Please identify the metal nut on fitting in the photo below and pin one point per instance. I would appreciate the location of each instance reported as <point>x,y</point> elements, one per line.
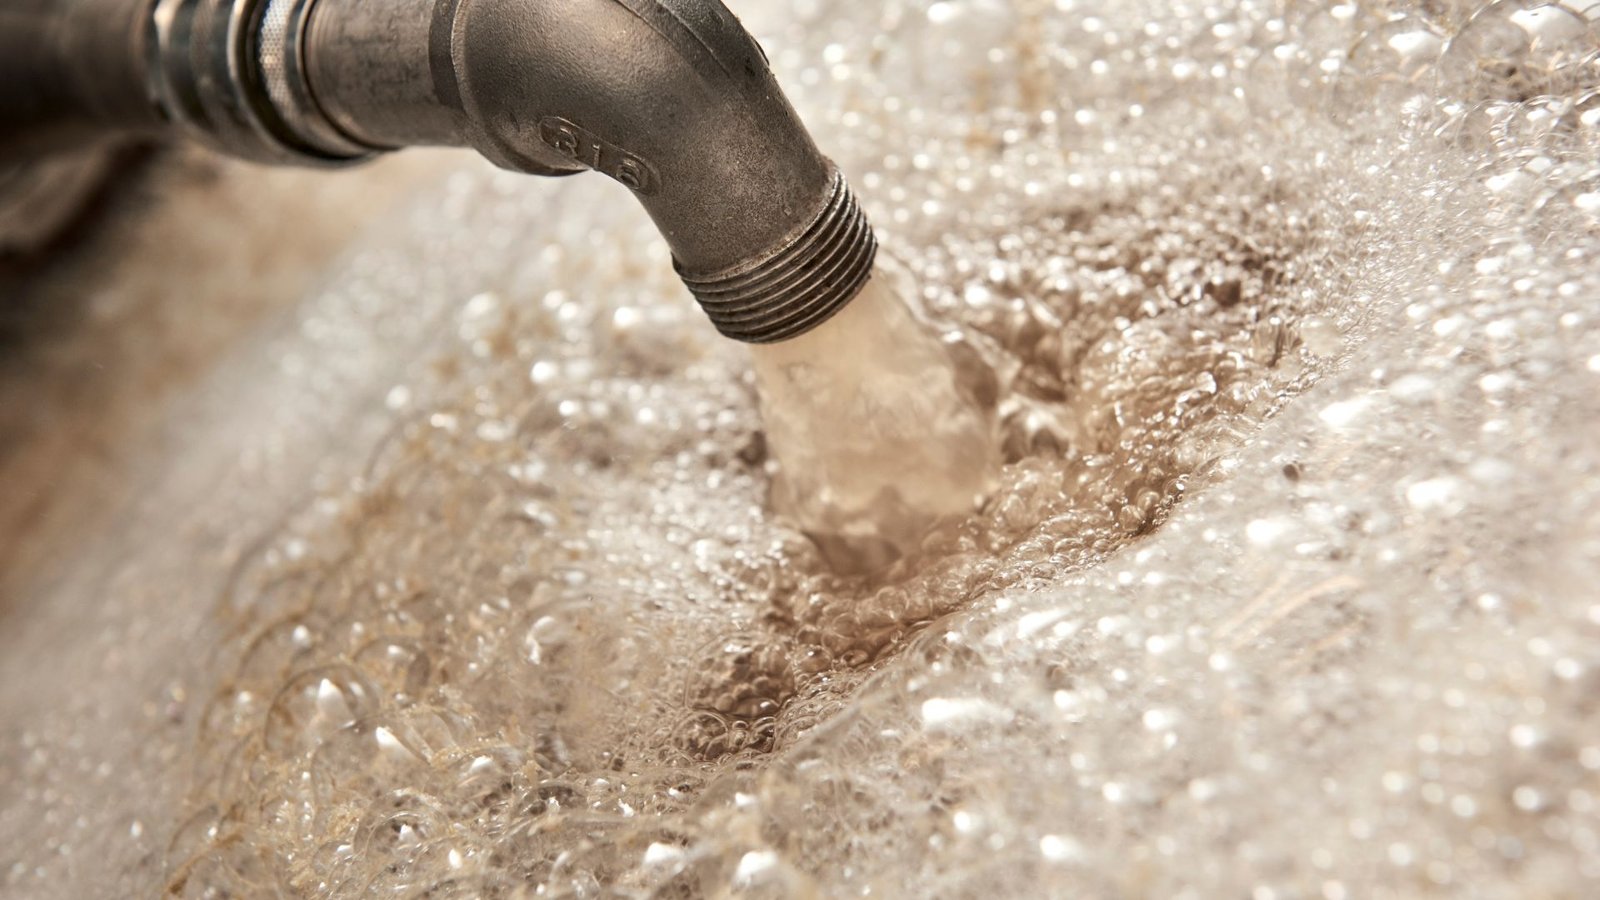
<point>797,286</point>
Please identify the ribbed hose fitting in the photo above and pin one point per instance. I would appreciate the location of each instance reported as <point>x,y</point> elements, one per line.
<point>800,284</point>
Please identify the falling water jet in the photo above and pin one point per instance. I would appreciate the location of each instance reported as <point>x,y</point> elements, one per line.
<point>877,434</point>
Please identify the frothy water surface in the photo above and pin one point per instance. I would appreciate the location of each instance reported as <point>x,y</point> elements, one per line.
<point>1283,589</point>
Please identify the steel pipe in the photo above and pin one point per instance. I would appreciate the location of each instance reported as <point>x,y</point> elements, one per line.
<point>672,99</point>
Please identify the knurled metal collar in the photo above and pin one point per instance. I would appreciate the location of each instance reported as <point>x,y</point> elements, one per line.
<point>280,56</point>
<point>210,81</point>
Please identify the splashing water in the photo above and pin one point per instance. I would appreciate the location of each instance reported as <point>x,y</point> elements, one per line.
<point>877,435</point>
<point>1283,588</point>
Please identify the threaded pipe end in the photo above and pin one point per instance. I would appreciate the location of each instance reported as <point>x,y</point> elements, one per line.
<point>797,286</point>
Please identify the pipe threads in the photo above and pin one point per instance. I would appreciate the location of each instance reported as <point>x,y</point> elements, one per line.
<point>797,286</point>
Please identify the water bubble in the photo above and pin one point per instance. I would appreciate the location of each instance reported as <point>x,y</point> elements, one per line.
<point>1518,49</point>
<point>742,676</point>
<point>365,759</point>
<point>400,838</point>
<point>228,870</point>
<point>278,648</point>
<point>397,665</point>
<point>1392,63</point>
<point>313,706</point>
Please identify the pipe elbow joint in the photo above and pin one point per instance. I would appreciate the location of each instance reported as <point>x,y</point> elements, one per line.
<point>675,101</point>
<point>671,98</point>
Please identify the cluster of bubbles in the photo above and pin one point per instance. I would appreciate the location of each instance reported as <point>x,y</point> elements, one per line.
<point>553,641</point>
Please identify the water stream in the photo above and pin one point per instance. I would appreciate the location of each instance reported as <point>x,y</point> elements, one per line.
<point>879,427</point>
<point>1282,586</point>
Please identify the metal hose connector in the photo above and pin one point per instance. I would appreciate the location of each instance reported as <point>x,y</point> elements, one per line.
<point>278,47</point>
<point>230,74</point>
